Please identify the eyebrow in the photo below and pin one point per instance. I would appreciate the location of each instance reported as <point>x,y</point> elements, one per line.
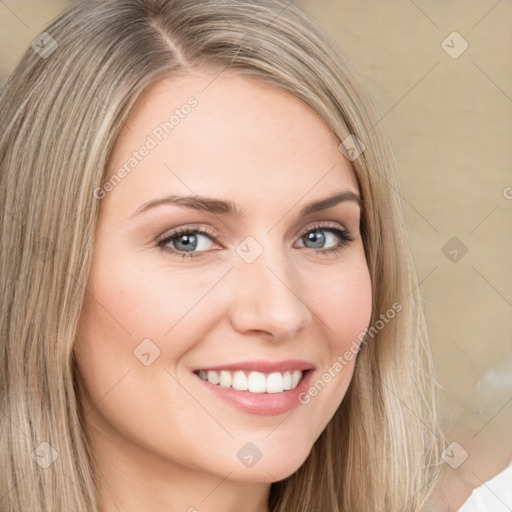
<point>230,209</point>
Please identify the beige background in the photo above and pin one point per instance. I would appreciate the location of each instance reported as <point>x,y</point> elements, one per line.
<point>450,123</point>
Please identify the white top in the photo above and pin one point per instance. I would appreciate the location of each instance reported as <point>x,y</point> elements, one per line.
<point>493,496</point>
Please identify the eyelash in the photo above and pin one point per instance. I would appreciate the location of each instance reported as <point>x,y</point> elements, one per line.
<point>344,235</point>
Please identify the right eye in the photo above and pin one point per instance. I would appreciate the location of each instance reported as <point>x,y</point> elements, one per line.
<point>187,242</point>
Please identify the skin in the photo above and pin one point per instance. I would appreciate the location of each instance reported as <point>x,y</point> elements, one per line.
<point>151,427</point>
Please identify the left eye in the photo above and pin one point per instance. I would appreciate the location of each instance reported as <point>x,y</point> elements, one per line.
<point>322,237</point>
<point>191,242</point>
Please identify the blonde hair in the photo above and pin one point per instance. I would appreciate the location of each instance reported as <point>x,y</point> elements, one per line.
<point>61,114</point>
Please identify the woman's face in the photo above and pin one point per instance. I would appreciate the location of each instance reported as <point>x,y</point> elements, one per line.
<point>217,256</point>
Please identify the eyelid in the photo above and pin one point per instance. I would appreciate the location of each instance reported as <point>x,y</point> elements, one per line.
<point>322,225</point>
<point>214,234</point>
<point>199,228</point>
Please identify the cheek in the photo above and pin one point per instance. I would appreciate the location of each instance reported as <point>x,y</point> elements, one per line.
<point>345,306</point>
<point>129,302</point>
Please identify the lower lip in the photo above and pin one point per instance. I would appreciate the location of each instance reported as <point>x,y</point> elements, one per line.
<point>263,404</point>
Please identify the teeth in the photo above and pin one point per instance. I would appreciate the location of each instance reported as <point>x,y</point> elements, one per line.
<point>212,377</point>
<point>225,380</point>
<point>296,375</point>
<point>240,381</point>
<point>287,381</point>
<point>275,383</point>
<point>256,382</point>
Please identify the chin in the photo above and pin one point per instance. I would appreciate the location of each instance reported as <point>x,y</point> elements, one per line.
<point>271,470</point>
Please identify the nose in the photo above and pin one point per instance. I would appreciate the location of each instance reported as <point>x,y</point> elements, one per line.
<point>266,298</point>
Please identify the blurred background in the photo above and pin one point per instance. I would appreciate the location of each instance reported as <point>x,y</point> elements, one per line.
<point>440,74</point>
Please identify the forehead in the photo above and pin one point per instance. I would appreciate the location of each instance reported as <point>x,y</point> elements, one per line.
<point>226,135</point>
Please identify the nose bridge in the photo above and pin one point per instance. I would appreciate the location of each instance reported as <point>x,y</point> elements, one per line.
<point>269,295</point>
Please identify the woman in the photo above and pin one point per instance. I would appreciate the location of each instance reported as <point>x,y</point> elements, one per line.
<point>171,339</point>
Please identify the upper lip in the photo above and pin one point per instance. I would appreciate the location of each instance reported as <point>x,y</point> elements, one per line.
<point>263,366</point>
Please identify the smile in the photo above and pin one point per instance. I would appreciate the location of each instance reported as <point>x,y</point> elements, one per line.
<point>254,382</point>
<point>259,387</point>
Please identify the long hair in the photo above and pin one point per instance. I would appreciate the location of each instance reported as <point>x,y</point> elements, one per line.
<point>61,112</point>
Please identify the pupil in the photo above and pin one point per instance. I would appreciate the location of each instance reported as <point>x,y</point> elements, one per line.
<point>317,237</point>
<point>189,242</point>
